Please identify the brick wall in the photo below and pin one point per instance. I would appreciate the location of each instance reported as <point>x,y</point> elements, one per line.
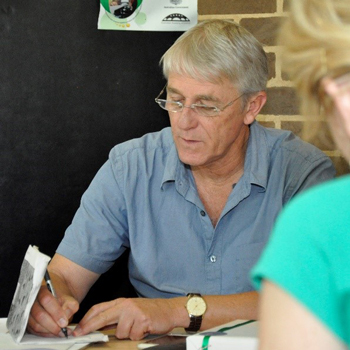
<point>262,19</point>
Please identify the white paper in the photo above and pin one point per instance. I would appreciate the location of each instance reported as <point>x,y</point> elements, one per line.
<point>148,15</point>
<point>31,276</point>
<point>89,338</point>
<point>32,342</point>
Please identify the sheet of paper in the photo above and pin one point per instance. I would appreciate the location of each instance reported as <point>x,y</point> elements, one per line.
<point>31,276</point>
<point>7,343</point>
<point>89,338</point>
<point>32,342</point>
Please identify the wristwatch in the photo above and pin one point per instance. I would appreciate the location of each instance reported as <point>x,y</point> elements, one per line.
<point>196,308</point>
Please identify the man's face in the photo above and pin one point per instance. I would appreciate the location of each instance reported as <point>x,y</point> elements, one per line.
<point>206,141</point>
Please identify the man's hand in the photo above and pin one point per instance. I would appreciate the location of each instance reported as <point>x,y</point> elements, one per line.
<point>71,282</point>
<point>49,315</point>
<point>135,317</point>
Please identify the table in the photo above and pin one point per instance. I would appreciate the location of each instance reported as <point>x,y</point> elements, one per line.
<point>114,343</point>
<point>118,344</point>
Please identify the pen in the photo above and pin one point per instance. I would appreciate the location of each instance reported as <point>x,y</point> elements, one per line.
<point>52,290</point>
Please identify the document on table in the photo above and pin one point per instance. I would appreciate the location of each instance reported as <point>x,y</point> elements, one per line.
<point>33,342</point>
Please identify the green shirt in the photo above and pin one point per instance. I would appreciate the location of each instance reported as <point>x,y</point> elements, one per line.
<point>308,254</point>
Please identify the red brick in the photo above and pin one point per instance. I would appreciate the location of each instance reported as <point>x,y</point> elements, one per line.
<point>264,29</point>
<point>220,7</point>
<point>281,101</point>
<point>271,60</point>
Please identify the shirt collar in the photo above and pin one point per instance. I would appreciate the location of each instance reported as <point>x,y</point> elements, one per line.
<point>257,159</point>
<point>256,162</point>
<point>174,170</point>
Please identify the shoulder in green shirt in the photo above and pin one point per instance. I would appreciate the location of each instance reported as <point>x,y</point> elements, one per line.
<point>308,254</point>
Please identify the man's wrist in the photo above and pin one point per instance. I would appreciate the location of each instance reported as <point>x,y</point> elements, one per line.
<point>179,312</point>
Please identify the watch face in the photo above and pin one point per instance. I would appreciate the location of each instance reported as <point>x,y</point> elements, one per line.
<point>196,306</point>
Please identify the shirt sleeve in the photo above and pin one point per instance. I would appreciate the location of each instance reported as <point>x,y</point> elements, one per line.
<point>308,170</point>
<point>98,233</point>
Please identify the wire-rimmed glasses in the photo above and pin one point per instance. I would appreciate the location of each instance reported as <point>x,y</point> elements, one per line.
<point>201,109</point>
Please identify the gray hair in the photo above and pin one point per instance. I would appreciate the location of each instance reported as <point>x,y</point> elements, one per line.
<point>217,49</point>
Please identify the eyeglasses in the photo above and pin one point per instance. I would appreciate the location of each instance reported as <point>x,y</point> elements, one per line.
<point>201,109</point>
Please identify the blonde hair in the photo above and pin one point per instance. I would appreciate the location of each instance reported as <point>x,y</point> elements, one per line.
<point>217,49</point>
<point>316,40</point>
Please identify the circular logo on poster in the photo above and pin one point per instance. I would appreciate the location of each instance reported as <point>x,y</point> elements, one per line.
<point>122,10</point>
<point>176,2</point>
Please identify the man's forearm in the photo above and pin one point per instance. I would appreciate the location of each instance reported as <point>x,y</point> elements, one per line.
<point>70,278</point>
<point>220,309</point>
<point>225,308</point>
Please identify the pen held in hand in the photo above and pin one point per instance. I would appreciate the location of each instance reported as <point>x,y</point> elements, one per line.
<point>52,290</point>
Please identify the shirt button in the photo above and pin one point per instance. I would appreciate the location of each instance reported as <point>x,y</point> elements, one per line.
<point>213,258</point>
<point>202,212</point>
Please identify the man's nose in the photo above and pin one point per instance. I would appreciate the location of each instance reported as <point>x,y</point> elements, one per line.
<point>188,117</point>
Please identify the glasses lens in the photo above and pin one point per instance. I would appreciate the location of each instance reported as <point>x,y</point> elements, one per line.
<point>170,105</point>
<point>206,111</point>
<point>161,103</point>
<point>173,106</point>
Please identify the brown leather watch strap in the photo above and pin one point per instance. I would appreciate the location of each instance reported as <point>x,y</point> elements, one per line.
<point>195,323</point>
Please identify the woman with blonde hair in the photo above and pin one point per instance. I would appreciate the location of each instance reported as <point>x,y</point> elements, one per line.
<point>304,273</point>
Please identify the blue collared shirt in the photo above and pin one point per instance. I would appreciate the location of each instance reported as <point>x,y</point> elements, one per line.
<point>144,198</point>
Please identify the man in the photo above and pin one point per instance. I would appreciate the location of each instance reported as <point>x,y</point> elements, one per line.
<point>195,202</point>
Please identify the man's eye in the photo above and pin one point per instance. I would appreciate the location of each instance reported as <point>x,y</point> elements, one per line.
<point>207,103</point>
<point>175,98</point>
<point>206,110</point>
<point>206,107</point>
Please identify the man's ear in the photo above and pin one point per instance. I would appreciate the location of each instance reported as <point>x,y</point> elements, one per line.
<point>253,106</point>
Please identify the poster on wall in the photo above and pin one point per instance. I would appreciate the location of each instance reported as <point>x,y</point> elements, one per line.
<point>147,15</point>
